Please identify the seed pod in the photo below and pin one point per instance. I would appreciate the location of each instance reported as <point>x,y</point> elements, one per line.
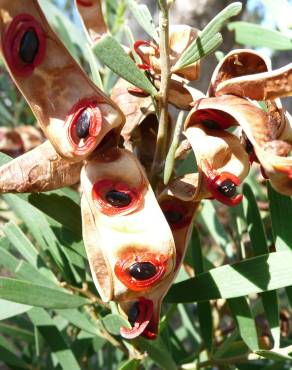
<point>237,74</point>
<point>121,217</point>
<point>54,85</point>
<point>238,63</point>
<point>40,169</point>
<point>138,311</point>
<point>92,18</point>
<point>256,125</point>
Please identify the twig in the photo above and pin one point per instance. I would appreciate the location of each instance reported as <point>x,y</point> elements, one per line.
<point>160,150</point>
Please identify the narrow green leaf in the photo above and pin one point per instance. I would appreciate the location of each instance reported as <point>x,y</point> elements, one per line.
<point>260,246</point>
<point>143,17</point>
<point>209,39</point>
<point>198,49</point>
<point>10,309</point>
<point>4,112</point>
<point>170,158</point>
<point>280,354</point>
<point>204,308</point>
<point>130,365</point>
<point>158,353</point>
<point>113,322</point>
<point>16,333</point>
<point>24,246</point>
<point>37,295</point>
<point>110,52</point>
<point>38,226</point>
<point>208,216</point>
<point>9,357</point>
<point>52,13</point>
<point>255,226</point>
<point>80,320</point>
<point>244,321</point>
<point>254,275</point>
<point>281,214</point>
<point>49,331</point>
<point>60,208</point>
<point>22,269</point>
<point>255,35</point>
<point>21,243</point>
<point>66,38</point>
<point>93,64</point>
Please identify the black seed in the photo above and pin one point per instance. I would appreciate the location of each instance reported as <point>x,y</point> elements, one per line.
<point>83,124</point>
<point>29,46</point>
<point>118,198</point>
<point>142,270</point>
<point>227,188</point>
<point>133,313</point>
<point>211,124</point>
<point>173,217</point>
<point>248,147</point>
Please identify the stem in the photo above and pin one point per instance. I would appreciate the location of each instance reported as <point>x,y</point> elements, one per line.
<point>160,150</point>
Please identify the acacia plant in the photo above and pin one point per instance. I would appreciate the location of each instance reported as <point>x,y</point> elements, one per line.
<point>165,195</point>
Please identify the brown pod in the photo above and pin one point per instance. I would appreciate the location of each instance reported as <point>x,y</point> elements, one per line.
<point>261,86</point>
<point>90,12</point>
<point>238,63</point>
<point>73,113</point>
<point>242,72</point>
<point>128,241</point>
<point>271,151</point>
<point>40,169</point>
<point>180,215</point>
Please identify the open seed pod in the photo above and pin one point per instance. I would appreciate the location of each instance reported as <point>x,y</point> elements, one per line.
<point>237,63</point>
<point>222,161</point>
<point>180,215</point>
<point>236,71</point>
<point>40,169</point>
<point>73,113</point>
<point>261,86</point>
<point>227,110</point>
<point>90,12</point>
<point>128,241</point>
<point>180,37</point>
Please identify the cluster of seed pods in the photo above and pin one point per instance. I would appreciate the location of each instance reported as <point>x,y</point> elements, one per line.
<point>135,240</point>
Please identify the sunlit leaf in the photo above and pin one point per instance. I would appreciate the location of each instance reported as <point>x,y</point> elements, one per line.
<point>143,17</point>
<point>37,295</point>
<point>110,52</point>
<point>253,275</point>
<point>255,35</point>
<point>209,39</point>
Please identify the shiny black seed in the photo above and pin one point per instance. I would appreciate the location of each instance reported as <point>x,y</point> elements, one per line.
<point>133,313</point>
<point>173,217</point>
<point>227,188</point>
<point>118,198</point>
<point>142,270</point>
<point>211,124</point>
<point>83,124</point>
<point>29,46</point>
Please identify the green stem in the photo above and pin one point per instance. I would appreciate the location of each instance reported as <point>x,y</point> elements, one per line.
<point>160,150</point>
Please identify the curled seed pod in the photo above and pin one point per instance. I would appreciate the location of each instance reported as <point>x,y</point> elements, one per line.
<point>54,85</point>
